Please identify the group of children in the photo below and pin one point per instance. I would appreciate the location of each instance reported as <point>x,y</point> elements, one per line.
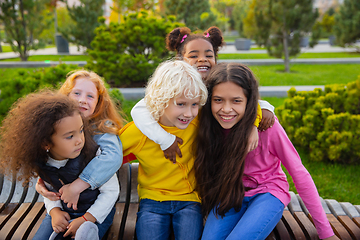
<point>205,148</point>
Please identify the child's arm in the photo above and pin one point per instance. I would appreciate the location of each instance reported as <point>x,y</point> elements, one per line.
<point>42,190</point>
<point>281,146</point>
<point>98,171</point>
<point>268,115</point>
<point>151,128</point>
<point>59,218</point>
<point>102,206</point>
<point>265,119</point>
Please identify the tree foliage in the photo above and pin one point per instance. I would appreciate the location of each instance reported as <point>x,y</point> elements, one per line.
<point>129,52</point>
<point>239,13</point>
<point>23,22</point>
<point>196,14</point>
<point>347,23</point>
<point>85,17</point>
<point>280,25</point>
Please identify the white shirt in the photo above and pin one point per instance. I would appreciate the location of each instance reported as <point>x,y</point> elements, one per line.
<point>105,201</point>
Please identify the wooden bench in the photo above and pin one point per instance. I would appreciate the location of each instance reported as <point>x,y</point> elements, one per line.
<point>22,210</point>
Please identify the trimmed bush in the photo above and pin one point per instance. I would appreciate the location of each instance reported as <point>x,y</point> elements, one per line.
<point>29,81</point>
<point>128,53</point>
<point>325,122</point>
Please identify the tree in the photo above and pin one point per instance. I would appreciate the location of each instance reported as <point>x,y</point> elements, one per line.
<point>128,53</point>
<point>85,17</point>
<point>280,25</point>
<point>23,23</point>
<point>190,11</point>
<point>238,14</point>
<point>347,23</point>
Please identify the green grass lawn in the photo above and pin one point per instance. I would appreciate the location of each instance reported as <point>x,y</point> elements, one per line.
<point>306,74</point>
<point>301,74</point>
<point>303,55</point>
<point>221,56</point>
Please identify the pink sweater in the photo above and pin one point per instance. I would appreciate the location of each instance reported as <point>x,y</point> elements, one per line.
<point>264,165</point>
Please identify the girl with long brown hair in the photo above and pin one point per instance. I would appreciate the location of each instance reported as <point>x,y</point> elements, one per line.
<point>244,194</point>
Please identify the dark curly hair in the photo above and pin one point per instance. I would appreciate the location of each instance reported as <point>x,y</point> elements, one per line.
<point>175,37</point>
<point>28,127</point>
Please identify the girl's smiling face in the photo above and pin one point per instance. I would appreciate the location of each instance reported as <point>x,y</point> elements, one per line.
<point>199,53</point>
<point>86,94</point>
<point>228,104</point>
<point>180,112</point>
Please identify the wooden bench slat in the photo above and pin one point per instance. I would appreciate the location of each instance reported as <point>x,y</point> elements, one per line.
<point>282,231</point>
<point>338,228</point>
<point>15,220</point>
<point>357,221</point>
<point>292,226</point>
<point>114,231</point>
<point>272,236</point>
<point>29,221</point>
<point>306,225</point>
<point>129,231</point>
<point>37,225</point>
<point>350,226</point>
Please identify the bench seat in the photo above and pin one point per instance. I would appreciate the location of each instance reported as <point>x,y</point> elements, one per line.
<point>22,210</point>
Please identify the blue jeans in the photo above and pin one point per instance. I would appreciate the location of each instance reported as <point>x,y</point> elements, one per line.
<point>45,229</point>
<point>155,220</point>
<point>256,219</point>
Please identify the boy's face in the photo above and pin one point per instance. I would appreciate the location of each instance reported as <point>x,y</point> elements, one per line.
<point>180,112</point>
<point>68,139</point>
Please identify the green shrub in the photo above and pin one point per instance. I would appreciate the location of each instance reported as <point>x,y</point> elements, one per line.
<point>130,51</point>
<point>29,81</point>
<point>325,122</point>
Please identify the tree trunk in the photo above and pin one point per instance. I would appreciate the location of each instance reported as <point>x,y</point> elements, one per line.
<point>286,52</point>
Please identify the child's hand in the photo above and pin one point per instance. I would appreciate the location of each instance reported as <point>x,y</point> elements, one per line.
<point>268,120</point>
<point>41,189</point>
<point>253,139</point>
<point>76,223</point>
<point>73,226</point>
<point>170,153</point>
<point>59,220</point>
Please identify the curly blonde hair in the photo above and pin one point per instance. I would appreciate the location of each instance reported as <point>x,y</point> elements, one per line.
<point>106,117</point>
<point>171,79</point>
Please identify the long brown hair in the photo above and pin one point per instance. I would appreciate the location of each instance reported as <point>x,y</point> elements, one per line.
<point>28,127</point>
<point>219,164</point>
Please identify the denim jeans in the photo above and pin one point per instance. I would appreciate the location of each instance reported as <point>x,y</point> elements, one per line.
<point>155,220</point>
<point>45,229</point>
<point>256,219</point>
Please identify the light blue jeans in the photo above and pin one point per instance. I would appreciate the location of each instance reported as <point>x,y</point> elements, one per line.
<point>45,229</point>
<point>155,220</point>
<point>256,219</point>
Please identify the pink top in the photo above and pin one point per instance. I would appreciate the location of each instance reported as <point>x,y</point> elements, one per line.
<point>264,165</point>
